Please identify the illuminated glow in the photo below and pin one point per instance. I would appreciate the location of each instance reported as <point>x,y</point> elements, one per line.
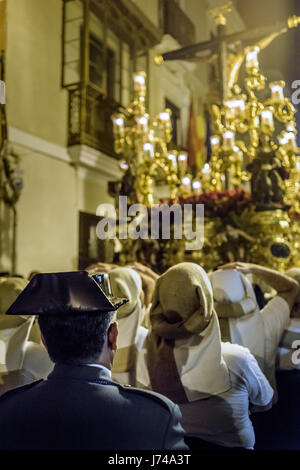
<point>151,135</point>
<point>282,140</point>
<point>283,223</point>
<point>290,128</point>
<point>164,116</point>
<point>206,169</point>
<point>182,157</point>
<point>143,121</point>
<point>215,142</point>
<point>186,181</point>
<point>124,165</point>
<point>228,140</point>
<point>277,91</point>
<point>267,119</point>
<point>290,140</point>
<point>118,121</point>
<point>172,157</point>
<point>196,184</point>
<point>139,78</point>
<point>235,108</point>
<point>252,58</point>
<point>148,148</point>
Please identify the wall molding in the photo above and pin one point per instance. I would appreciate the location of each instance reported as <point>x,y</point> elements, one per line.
<point>92,159</point>
<point>37,144</point>
<point>78,155</point>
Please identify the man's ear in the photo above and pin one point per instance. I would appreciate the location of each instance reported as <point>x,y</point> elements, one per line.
<point>112,336</point>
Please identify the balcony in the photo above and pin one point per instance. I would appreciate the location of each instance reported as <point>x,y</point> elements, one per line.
<point>89,117</point>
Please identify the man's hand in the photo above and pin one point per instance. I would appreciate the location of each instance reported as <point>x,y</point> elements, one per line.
<point>286,287</point>
<point>245,268</point>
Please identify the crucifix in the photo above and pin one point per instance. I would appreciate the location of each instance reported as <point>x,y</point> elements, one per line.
<point>228,51</point>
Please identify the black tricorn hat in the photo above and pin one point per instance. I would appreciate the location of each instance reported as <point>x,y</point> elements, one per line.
<point>65,294</point>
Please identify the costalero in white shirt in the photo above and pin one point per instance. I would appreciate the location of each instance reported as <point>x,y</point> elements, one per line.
<point>224,419</point>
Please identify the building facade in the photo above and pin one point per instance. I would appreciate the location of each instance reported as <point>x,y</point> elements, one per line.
<point>63,80</point>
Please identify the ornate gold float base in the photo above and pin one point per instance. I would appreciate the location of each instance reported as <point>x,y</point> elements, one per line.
<point>270,238</point>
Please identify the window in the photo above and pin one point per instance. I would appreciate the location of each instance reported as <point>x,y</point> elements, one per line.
<point>104,42</point>
<point>102,66</point>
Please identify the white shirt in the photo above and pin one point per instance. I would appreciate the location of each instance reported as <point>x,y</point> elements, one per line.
<point>276,317</point>
<point>224,419</point>
<point>261,331</point>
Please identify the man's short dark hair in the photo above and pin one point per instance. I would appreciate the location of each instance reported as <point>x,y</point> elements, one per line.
<point>75,339</point>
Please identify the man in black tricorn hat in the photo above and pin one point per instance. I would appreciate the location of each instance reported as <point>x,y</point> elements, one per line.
<point>79,406</point>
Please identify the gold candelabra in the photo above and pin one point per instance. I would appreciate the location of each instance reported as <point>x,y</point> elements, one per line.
<point>246,129</point>
<point>143,144</point>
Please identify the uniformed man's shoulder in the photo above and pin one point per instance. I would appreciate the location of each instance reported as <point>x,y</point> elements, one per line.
<point>150,395</point>
<point>17,390</point>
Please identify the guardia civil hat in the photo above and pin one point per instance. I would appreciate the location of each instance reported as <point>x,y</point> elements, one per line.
<point>66,293</point>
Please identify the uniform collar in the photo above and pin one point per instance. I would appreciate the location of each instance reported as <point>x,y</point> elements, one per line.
<point>100,366</point>
<point>80,372</point>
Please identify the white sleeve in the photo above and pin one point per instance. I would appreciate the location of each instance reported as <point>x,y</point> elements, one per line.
<point>259,390</point>
<point>276,317</point>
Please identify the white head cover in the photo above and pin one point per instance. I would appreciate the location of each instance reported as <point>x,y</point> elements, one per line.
<point>14,330</point>
<point>183,356</point>
<point>238,311</point>
<point>125,282</point>
<point>294,273</point>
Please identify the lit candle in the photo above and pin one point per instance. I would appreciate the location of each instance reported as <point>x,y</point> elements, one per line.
<point>239,156</point>
<point>290,140</point>
<point>215,143</point>
<point>206,169</point>
<point>235,108</point>
<point>139,80</point>
<point>149,150</point>
<point>282,140</point>
<point>267,120</point>
<point>252,58</point>
<point>197,187</point>
<point>151,135</point>
<point>173,159</point>
<point>124,165</point>
<point>186,183</point>
<point>118,122</point>
<point>228,140</point>
<point>150,198</point>
<point>182,162</point>
<point>164,115</point>
<point>277,91</point>
<point>143,121</point>
<point>291,127</point>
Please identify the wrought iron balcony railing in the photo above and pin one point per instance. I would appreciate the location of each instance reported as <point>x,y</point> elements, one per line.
<point>90,122</point>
